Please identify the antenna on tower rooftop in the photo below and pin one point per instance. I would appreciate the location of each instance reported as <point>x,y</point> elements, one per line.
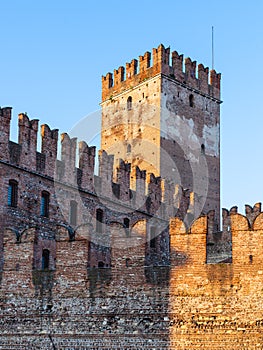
<point>213,55</point>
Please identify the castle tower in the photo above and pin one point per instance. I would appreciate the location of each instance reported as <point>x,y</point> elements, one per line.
<point>163,116</point>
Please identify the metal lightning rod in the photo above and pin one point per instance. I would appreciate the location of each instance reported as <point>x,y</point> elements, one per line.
<point>213,55</point>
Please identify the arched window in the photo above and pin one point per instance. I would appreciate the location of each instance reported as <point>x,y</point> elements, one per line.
<point>12,193</point>
<point>44,205</point>
<point>203,148</point>
<point>73,212</point>
<point>191,100</point>
<point>128,148</point>
<point>99,220</point>
<point>45,259</point>
<point>129,103</point>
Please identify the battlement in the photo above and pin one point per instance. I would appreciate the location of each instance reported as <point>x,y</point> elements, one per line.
<point>5,118</point>
<point>152,194</point>
<point>251,221</point>
<point>172,65</point>
<point>188,246</point>
<point>251,214</point>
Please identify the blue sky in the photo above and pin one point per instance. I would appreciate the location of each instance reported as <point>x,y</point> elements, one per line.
<point>53,54</point>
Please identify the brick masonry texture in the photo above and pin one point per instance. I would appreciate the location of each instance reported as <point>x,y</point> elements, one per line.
<point>125,259</point>
<point>166,121</point>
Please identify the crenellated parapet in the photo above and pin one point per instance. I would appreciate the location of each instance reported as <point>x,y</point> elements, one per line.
<point>49,148</point>
<point>191,245</point>
<point>86,165</point>
<point>105,173</point>
<point>251,212</point>
<point>76,169</point>
<point>123,179</point>
<point>188,245</point>
<point>173,65</point>
<point>154,193</point>
<point>140,187</point>
<point>5,119</point>
<point>27,139</point>
<point>68,157</point>
<point>247,241</point>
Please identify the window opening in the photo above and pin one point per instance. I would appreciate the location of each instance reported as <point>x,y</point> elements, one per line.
<point>45,259</point>
<point>44,206</point>
<point>99,220</point>
<point>126,224</point>
<point>153,238</point>
<point>191,100</point>
<point>129,103</point>
<point>73,213</point>
<point>12,193</point>
<point>100,264</point>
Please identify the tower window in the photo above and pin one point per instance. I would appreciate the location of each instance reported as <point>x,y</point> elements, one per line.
<point>129,103</point>
<point>153,238</point>
<point>203,148</point>
<point>100,264</point>
<point>73,213</point>
<point>126,224</point>
<point>99,220</point>
<point>45,259</point>
<point>44,205</point>
<point>128,148</point>
<point>191,100</point>
<point>12,193</point>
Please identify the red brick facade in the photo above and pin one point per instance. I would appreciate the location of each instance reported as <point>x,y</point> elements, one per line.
<point>120,260</point>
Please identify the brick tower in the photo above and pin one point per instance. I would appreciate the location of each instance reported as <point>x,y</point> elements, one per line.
<point>160,116</point>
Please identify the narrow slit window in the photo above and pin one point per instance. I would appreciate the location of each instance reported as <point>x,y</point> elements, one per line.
<point>129,103</point>
<point>99,220</point>
<point>45,259</point>
<point>44,205</point>
<point>191,100</point>
<point>73,213</point>
<point>12,193</point>
<point>153,238</point>
<point>126,224</point>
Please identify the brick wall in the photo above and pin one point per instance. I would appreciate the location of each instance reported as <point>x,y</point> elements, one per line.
<point>191,304</point>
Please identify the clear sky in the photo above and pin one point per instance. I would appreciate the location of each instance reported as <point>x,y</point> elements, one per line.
<point>53,54</point>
